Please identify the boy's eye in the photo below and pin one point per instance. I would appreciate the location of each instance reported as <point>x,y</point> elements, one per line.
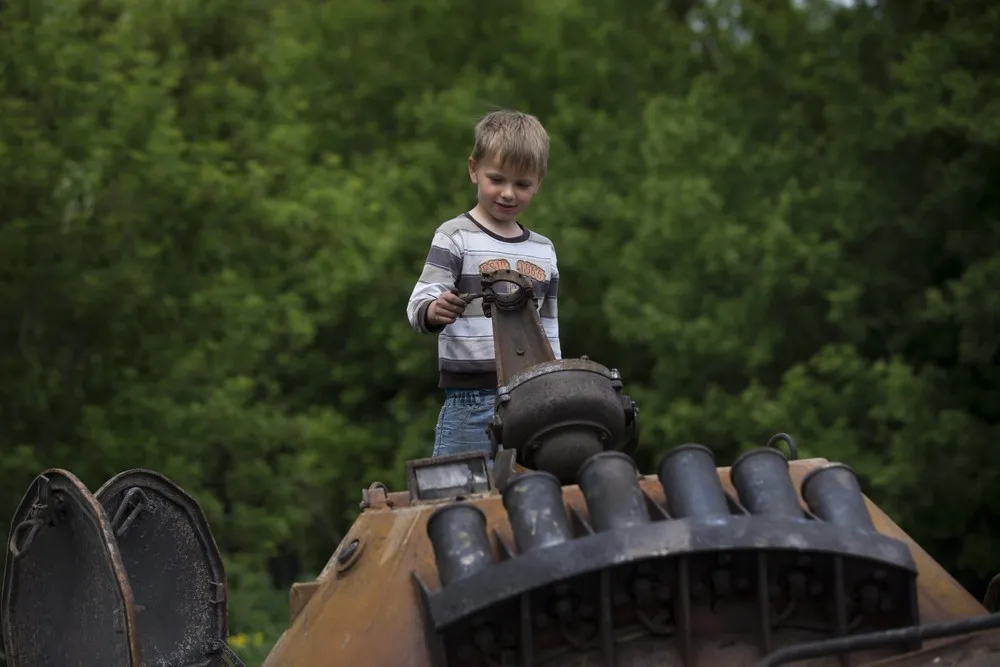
<point>497,180</point>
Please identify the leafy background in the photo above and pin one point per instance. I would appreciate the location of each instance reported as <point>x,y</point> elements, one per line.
<point>771,216</point>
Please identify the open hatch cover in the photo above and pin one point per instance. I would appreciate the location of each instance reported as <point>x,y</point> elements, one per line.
<point>173,566</point>
<point>66,597</point>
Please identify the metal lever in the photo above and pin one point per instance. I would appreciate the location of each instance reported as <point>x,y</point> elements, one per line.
<point>469,297</point>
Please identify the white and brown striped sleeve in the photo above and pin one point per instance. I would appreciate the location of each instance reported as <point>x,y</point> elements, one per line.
<point>441,272</point>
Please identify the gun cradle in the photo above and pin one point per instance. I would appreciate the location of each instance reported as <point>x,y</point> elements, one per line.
<point>555,413</point>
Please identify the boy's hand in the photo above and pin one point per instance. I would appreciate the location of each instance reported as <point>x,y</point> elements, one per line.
<point>445,309</point>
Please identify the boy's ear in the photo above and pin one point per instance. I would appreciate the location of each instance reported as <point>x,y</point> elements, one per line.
<point>472,170</point>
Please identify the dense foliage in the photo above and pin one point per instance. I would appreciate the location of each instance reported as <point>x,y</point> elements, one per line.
<point>771,216</point>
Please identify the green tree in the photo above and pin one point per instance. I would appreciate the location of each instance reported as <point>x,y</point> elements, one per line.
<point>770,217</point>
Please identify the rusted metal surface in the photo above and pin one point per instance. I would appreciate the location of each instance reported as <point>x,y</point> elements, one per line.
<point>66,597</point>
<point>554,413</point>
<point>298,597</point>
<point>173,567</point>
<point>345,622</point>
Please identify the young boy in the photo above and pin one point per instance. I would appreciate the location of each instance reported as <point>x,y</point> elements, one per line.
<point>507,166</point>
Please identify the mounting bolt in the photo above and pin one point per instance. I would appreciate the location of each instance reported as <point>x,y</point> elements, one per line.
<point>348,551</point>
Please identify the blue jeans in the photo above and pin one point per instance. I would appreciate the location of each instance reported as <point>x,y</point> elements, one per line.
<point>461,425</point>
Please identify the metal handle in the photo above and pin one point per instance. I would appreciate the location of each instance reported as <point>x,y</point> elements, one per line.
<point>793,449</point>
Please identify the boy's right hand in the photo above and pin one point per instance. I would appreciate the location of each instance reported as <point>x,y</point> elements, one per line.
<point>445,309</point>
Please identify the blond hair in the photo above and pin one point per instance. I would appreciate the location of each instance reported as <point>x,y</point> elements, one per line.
<point>513,139</point>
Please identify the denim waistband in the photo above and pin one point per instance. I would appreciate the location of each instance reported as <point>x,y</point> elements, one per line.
<point>470,396</point>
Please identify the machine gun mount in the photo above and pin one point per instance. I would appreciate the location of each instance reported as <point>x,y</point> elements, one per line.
<point>555,413</point>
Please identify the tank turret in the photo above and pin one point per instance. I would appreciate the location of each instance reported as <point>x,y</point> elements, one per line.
<point>553,550</point>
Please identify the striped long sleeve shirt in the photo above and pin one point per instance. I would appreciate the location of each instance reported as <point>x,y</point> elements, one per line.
<point>460,251</point>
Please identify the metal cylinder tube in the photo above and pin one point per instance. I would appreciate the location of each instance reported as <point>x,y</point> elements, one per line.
<point>834,495</point>
<point>761,479</point>
<point>461,545</point>
<point>691,483</point>
<point>610,485</point>
<point>535,508</point>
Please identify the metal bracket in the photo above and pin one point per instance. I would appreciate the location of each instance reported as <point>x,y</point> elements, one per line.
<point>138,500</point>
<point>375,496</point>
<point>37,516</point>
<point>217,647</point>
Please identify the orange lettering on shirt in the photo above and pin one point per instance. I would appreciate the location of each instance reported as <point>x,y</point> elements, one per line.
<point>494,265</point>
<point>533,271</point>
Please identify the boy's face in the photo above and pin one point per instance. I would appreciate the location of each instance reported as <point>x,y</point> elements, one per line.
<point>502,192</point>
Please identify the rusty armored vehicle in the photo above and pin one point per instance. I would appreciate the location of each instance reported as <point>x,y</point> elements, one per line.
<point>551,550</point>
